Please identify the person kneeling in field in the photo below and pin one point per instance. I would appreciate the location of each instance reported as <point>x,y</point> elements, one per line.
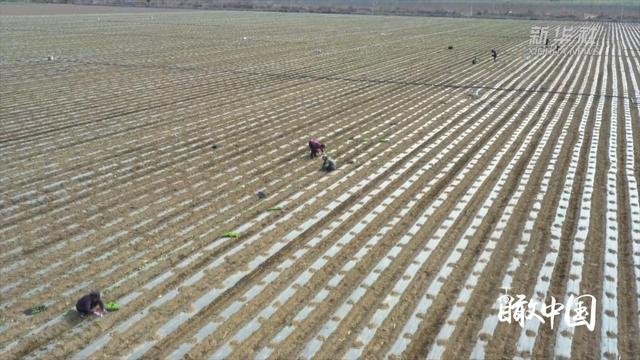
<point>90,303</point>
<point>316,147</point>
<point>328,164</point>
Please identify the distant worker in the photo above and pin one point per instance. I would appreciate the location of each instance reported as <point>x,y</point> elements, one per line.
<point>316,147</point>
<point>475,60</point>
<point>494,54</point>
<point>90,303</point>
<point>328,164</point>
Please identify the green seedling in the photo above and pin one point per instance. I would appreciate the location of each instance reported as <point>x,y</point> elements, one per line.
<point>275,208</point>
<point>35,310</point>
<point>231,234</point>
<point>384,140</point>
<point>112,306</point>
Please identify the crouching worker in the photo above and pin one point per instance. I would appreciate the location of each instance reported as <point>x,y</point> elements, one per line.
<point>90,303</point>
<point>328,164</point>
<point>316,147</point>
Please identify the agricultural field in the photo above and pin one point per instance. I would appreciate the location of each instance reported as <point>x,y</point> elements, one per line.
<point>130,142</point>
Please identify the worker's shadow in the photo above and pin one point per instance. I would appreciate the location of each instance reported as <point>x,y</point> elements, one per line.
<point>72,317</point>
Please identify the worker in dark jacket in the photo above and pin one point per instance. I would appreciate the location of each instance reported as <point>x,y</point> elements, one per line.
<point>316,147</point>
<point>328,164</point>
<point>90,303</point>
<point>494,54</point>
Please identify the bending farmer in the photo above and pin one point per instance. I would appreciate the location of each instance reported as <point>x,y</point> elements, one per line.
<point>89,303</point>
<point>328,164</point>
<point>316,147</point>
